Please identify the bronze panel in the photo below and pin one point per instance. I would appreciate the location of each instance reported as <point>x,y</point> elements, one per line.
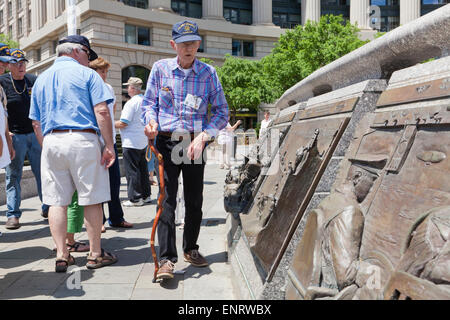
<point>416,92</point>
<point>414,116</point>
<point>329,109</point>
<point>283,119</point>
<point>278,203</point>
<point>418,187</point>
<point>407,286</point>
<point>304,271</point>
<point>398,178</point>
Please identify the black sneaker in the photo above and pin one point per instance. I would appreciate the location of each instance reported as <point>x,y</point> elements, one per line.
<point>44,214</point>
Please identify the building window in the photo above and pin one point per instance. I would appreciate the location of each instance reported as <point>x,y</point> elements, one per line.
<point>430,5</point>
<point>136,3</point>
<point>20,26</point>
<point>38,55</point>
<point>9,9</point>
<point>202,45</point>
<point>54,45</point>
<point>10,31</point>
<point>188,8</point>
<point>242,48</point>
<point>19,4</point>
<point>137,35</point>
<point>286,13</point>
<point>239,12</point>
<point>1,18</point>
<point>336,7</point>
<point>389,14</point>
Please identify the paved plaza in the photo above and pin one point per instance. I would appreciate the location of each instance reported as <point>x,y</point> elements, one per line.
<point>27,261</point>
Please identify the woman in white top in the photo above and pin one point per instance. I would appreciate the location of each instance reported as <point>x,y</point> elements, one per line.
<point>225,138</point>
<point>265,123</point>
<point>6,147</point>
<point>116,214</point>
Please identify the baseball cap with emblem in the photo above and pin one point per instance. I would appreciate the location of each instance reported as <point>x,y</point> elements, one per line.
<point>17,55</point>
<point>80,40</point>
<point>185,31</point>
<point>134,82</point>
<point>5,55</point>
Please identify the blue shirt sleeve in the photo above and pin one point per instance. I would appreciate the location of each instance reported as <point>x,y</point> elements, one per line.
<point>35,113</point>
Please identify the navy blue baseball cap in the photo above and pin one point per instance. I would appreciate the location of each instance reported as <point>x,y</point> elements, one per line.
<point>185,31</point>
<point>5,55</point>
<point>17,55</point>
<point>80,40</point>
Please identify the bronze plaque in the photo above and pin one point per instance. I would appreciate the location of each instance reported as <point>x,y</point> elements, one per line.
<point>415,116</point>
<point>305,150</point>
<point>329,109</point>
<point>398,183</point>
<point>285,118</point>
<point>416,92</point>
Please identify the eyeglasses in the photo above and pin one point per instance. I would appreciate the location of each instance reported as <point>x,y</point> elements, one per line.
<point>19,64</point>
<point>87,52</point>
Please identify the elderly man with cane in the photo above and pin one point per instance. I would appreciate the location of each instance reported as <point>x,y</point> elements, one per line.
<point>178,93</point>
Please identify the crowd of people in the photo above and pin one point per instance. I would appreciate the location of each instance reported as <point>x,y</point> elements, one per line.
<point>63,123</point>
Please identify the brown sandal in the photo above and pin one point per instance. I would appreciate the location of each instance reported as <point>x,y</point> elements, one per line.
<point>78,247</point>
<point>105,259</point>
<point>62,264</point>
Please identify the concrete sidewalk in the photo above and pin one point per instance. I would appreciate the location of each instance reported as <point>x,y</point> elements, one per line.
<point>27,261</point>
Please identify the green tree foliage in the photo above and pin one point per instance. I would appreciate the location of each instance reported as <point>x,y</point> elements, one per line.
<point>4,38</point>
<point>303,50</point>
<point>244,83</point>
<point>298,53</point>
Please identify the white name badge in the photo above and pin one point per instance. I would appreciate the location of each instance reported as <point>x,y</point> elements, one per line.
<point>192,101</point>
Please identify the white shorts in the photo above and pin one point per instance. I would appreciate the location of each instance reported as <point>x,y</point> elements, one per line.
<point>71,161</point>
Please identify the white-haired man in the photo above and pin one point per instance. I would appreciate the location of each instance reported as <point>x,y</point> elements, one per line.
<point>69,110</point>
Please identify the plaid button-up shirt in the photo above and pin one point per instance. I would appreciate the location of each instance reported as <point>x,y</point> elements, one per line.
<point>179,102</point>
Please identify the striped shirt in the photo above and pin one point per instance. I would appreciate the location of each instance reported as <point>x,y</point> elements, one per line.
<point>180,102</point>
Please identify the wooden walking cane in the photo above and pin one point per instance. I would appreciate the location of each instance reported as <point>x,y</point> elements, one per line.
<point>160,200</point>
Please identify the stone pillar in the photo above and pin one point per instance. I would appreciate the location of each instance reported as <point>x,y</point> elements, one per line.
<point>262,12</point>
<point>212,9</point>
<point>409,10</point>
<point>310,10</point>
<point>52,10</point>
<point>160,5</point>
<point>359,13</point>
<point>35,16</point>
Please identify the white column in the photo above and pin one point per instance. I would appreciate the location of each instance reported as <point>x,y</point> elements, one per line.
<point>52,10</point>
<point>359,13</point>
<point>310,10</point>
<point>409,10</point>
<point>160,5</point>
<point>212,9</point>
<point>262,12</point>
<point>35,15</point>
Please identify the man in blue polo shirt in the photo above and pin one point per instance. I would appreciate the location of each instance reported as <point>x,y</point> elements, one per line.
<point>69,111</point>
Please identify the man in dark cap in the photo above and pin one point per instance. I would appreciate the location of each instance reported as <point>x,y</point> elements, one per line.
<point>69,119</point>
<point>17,85</point>
<point>178,93</point>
